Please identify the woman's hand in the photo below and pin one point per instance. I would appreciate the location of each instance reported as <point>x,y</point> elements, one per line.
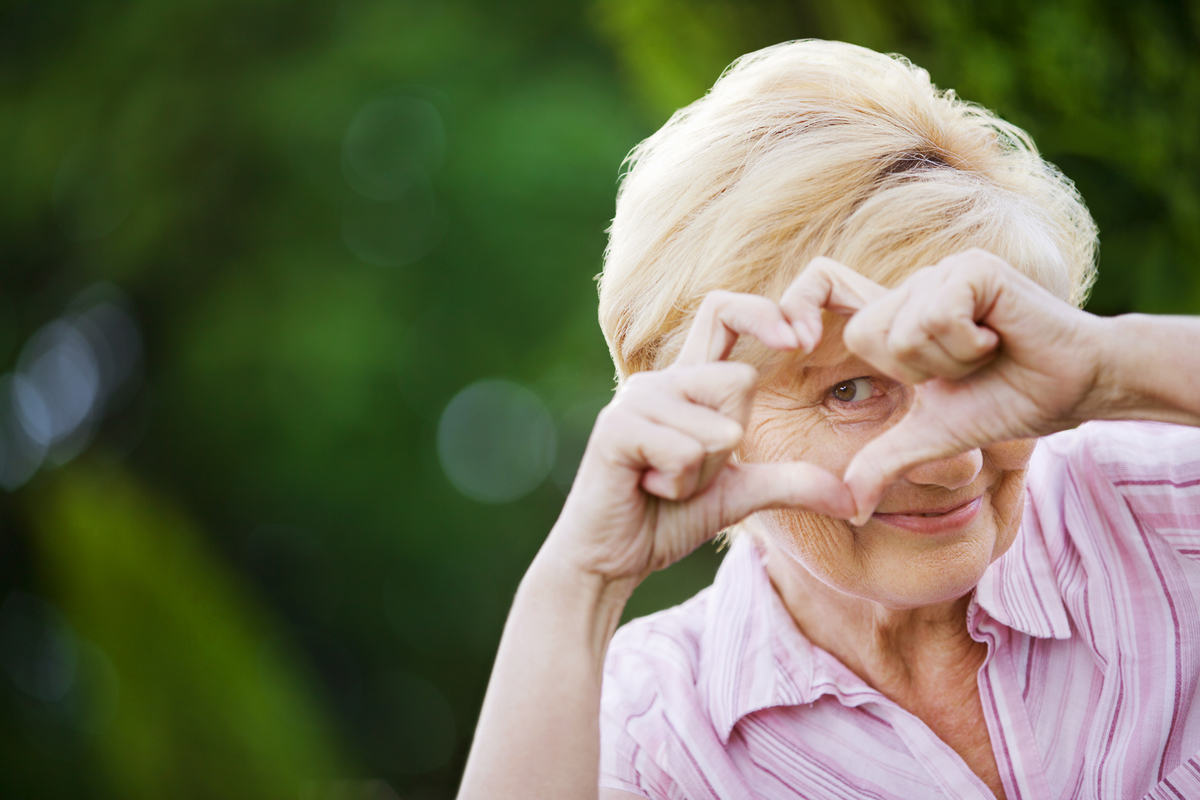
<point>656,479</point>
<point>993,357</point>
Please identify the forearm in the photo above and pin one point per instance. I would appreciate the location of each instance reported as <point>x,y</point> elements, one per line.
<point>1149,368</point>
<point>538,734</point>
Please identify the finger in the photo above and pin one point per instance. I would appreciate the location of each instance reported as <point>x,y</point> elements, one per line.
<point>960,337</point>
<point>952,315</point>
<point>825,284</point>
<point>710,403</point>
<point>742,489</point>
<point>712,429</point>
<point>669,459</point>
<point>674,461</point>
<point>943,304</point>
<point>911,345</point>
<point>917,439</point>
<point>868,336</point>
<point>724,316</point>
<point>725,386</point>
<point>717,433</point>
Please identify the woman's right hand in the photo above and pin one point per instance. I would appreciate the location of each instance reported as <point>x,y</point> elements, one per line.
<point>656,480</point>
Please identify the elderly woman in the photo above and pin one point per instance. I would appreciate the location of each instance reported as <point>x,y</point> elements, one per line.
<point>842,306</point>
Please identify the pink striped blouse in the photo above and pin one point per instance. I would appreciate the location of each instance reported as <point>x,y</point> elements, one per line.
<point>1092,622</point>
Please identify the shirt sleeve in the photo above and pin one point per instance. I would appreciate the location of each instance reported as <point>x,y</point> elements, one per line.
<point>1156,469</point>
<point>625,766</point>
<point>631,704</point>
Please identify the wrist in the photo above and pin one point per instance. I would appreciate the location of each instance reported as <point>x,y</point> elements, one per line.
<point>1145,370</point>
<point>585,600</point>
<point>1102,393</point>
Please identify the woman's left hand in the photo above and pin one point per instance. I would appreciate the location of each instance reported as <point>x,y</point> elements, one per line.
<point>993,357</point>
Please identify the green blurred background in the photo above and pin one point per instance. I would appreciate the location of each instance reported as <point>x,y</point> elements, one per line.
<point>298,343</point>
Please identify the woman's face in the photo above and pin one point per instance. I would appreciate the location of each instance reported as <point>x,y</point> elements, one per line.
<point>934,532</point>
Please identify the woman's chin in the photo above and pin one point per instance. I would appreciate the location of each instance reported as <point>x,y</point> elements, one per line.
<point>905,577</point>
<point>888,564</point>
<point>929,578</point>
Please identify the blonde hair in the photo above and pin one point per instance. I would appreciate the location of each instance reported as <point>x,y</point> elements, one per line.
<point>814,148</point>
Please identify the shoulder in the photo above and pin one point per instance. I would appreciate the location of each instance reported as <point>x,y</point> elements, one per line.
<point>1101,462</point>
<point>1114,498</point>
<point>651,673</point>
<point>1122,451</point>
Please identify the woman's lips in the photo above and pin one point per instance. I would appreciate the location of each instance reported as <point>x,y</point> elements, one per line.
<point>936,521</point>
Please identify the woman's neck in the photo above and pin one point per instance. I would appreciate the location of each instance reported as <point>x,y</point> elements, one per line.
<point>906,654</point>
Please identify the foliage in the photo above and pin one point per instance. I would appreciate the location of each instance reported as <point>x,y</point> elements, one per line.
<point>182,663</point>
<point>329,218</point>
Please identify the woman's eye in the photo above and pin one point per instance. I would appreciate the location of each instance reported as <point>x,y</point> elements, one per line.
<point>853,391</point>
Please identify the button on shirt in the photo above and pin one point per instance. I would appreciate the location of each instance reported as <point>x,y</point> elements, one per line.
<point>1092,624</point>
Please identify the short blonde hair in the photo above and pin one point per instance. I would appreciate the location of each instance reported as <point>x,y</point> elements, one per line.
<point>815,148</point>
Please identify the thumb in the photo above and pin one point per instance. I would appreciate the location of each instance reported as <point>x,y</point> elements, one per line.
<point>917,439</point>
<point>742,489</point>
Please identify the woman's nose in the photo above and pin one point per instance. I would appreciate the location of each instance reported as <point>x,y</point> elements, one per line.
<point>952,473</point>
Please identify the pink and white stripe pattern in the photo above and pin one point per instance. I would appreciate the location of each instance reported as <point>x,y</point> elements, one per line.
<point>1092,621</point>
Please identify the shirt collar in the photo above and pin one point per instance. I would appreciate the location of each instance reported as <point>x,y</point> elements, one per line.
<point>753,656</point>
<point>1020,590</point>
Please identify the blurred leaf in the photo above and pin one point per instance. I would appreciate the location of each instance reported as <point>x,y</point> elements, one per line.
<point>204,706</point>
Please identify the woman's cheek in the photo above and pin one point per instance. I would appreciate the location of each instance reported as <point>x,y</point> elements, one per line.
<point>780,436</point>
<point>1011,456</point>
<point>814,540</point>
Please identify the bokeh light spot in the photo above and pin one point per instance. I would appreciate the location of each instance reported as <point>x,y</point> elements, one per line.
<point>392,143</point>
<point>69,373</point>
<point>61,382</point>
<point>20,454</point>
<point>37,649</point>
<point>496,441</point>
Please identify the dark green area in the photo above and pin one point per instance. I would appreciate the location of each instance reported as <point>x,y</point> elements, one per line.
<point>253,577</point>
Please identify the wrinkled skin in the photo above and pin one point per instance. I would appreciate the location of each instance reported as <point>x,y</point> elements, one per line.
<point>962,355</point>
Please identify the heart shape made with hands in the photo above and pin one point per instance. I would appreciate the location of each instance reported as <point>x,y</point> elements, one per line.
<point>992,356</point>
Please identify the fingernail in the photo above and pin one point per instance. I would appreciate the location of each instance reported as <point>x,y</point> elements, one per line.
<point>801,336</point>
<point>805,335</point>
<point>814,330</point>
<point>788,335</point>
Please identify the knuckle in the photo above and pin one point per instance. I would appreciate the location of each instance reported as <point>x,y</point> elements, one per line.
<point>638,381</point>
<point>604,418</point>
<point>689,455</point>
<point>608,421</point>
<point>939,323</point>
<point>716,299</point>
<point>929,270</point>
<point>907,343</point>
<point>730,433</point>
<point>642,386</point>
<point>927,277</point>
<point>820,264</point>
<point>979,258</point>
